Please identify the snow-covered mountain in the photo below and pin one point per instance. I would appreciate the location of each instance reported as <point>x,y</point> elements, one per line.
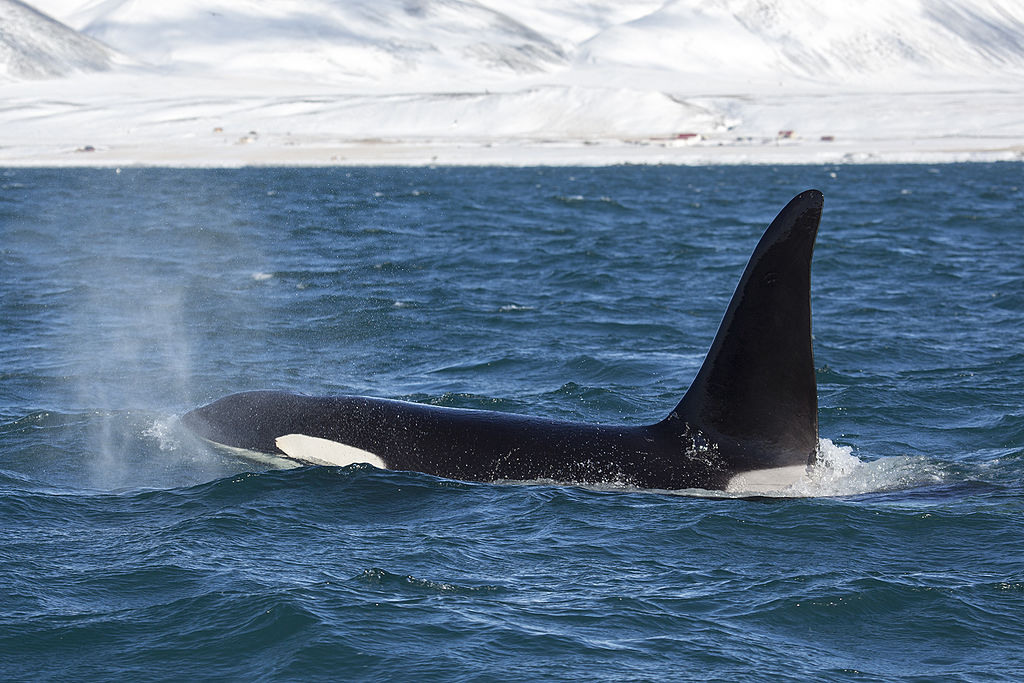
<point>824,41</point>
<point>33,45</point>
<point>321,81</point>
<point>338,40</point>
<point>321,39</point>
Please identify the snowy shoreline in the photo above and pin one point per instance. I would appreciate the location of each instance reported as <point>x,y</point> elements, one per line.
<point>296,129</point>
<point>501,154</point>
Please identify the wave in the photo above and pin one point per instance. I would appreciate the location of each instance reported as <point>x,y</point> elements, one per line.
<point>380,578</point>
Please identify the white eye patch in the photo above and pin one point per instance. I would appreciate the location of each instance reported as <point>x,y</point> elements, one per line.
<point>317,451</point>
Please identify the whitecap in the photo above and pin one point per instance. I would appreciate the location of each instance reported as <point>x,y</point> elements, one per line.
<point>838,472</point>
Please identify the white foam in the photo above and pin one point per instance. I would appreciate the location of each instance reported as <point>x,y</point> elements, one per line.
<point>838,472</point>
<point>166,431</point>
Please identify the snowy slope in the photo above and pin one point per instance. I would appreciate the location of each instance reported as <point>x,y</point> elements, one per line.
<point>830,41</point>
<point>321,40</point>
<point>33,45</point>
<point>323,81</point>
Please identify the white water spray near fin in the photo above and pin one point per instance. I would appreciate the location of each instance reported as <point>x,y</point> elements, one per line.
<point>317,451</point>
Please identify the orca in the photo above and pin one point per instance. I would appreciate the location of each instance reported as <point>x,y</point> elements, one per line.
<point>748,422</point>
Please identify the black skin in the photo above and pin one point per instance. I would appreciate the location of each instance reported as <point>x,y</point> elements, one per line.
<point>474,445</point>
<point>753,404</point>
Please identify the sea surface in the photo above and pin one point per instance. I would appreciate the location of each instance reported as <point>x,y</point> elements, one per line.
<point>130,551</point>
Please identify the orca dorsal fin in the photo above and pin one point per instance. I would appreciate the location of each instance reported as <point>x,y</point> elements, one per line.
<point>756,395</point>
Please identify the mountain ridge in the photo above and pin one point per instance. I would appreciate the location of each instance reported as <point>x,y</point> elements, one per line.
<point>390,39</point>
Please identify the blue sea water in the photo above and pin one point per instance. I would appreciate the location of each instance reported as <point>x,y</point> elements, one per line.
<point>129,551</point>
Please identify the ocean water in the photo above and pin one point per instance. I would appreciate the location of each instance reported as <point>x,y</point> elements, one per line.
<point>129,551</point>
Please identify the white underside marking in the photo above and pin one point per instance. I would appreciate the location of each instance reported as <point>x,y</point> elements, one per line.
<point>317,451</point>
<point>276,461</point>
<point>761,481</point>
